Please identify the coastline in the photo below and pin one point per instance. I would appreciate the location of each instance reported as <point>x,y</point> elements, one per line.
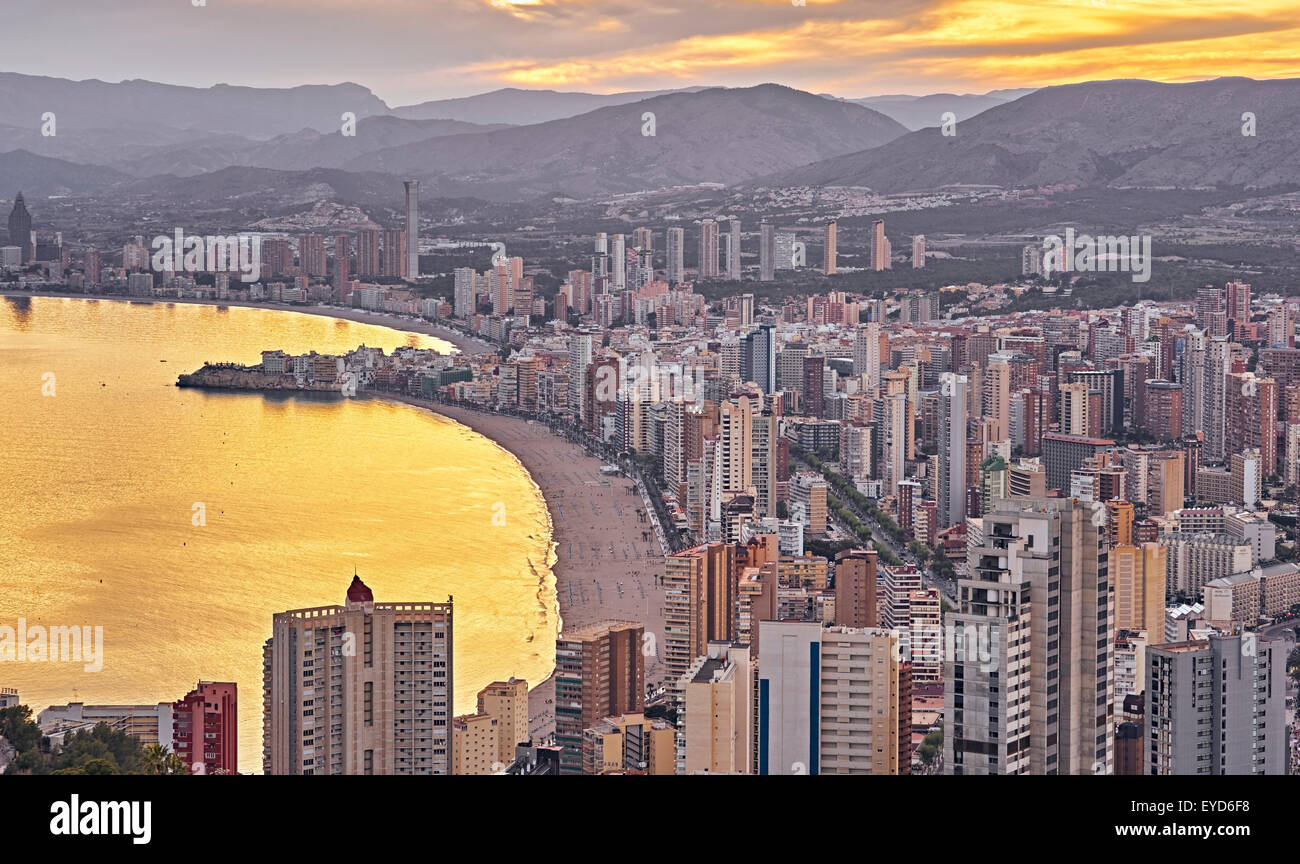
<point>605,558</point>
<point>464,343</point>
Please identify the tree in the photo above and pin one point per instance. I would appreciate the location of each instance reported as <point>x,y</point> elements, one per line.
<point>157,760</point>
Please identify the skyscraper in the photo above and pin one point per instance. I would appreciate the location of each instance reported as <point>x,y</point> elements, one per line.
<point>832,701</point>
<point>855,588</point>
<point>599,673</point>
<point>708,249</point>
<point>1034,629</point>
<point>205,728</point>
<point>311,255</point>
<point>828,249</point>
<point>412,228</point>
<point>758,358</point>
<point>618,262</point>
<point>395,262</point>
<point>733,252</point>
<point>766,252</point>
<point>918,252</point>
<point>880,248</point>
<point>342,265</point>
<point>463,292</point>
<point>368,253</point>
<point>20,230</point>
<point>363,688</point>
<point>1216,707</point>
<point>952,449</point>
<point>866,354</point>
<point>699,601</point>
<point>676,255</point>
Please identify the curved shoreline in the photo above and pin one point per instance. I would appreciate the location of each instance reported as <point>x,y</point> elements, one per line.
<point>605,557</point>
<point>467,344</point>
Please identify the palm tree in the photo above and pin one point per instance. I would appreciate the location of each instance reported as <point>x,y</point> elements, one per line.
<point>157,760</point>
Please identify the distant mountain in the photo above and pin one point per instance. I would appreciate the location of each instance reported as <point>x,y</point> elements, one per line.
<point>42,176</point>
<point>919,112</point>
<point>522,107</point>
<point>298,151</point>
<point>716,135</point>
<point>258,113</point>
<point>1103,133</point>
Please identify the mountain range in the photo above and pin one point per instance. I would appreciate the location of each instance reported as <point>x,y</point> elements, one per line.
<point>1124,133</point>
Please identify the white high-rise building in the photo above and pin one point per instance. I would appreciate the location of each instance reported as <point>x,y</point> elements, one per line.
<point>854,678</point>
<point>1029,664</point>
<point>363,688</point>
<point>617,263</point>
<point>463,292</point>
<point>866,354</point>
<point>952,449</point>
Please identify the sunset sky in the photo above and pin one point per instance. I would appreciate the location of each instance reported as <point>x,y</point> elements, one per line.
<point>411,50</point>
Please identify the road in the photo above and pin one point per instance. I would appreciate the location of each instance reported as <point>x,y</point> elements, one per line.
<point>900,550</point>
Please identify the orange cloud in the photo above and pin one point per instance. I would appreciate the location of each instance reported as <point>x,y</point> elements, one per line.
<point>977,44</point>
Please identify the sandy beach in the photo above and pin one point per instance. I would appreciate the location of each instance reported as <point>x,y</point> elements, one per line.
<point>468,344</point>
<point>607,555</point>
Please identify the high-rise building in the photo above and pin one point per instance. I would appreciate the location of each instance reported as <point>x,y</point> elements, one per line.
<point>205,728</point>
<point>828,249</point>
<point>952,449</point>
<point>368,253</point>
<point>363,688</point>
<point>395,261</point>
<point>643,239</point>
<point>699,601</point>
<point>412,269</point>
<point>881,253</point>
<point>1162,409</point>
<point>918,252</point>
<point>718,730</point>
<point>599,673</point>
<point>1250,419</point>
<point>1033,628</point>
<point>832,701</point>
<point>814,377</point>
<point>1216,707</point>
<point>708,249</point>
<point>342,265</point>
<point>676,255</point>
<point>1140,579</point>
<point>507,703</point>
<point>856,588</point>
<point>311,255</point>
<point>766,252</point>
<point>733,252</point>
<point>463,298</point>
<point>758,358</point>
<point>20,230</point>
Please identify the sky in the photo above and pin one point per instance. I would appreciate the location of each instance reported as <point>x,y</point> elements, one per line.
<point>409,51</point>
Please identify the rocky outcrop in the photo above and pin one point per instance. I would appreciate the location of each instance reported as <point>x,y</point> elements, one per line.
<point>226,377</point>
